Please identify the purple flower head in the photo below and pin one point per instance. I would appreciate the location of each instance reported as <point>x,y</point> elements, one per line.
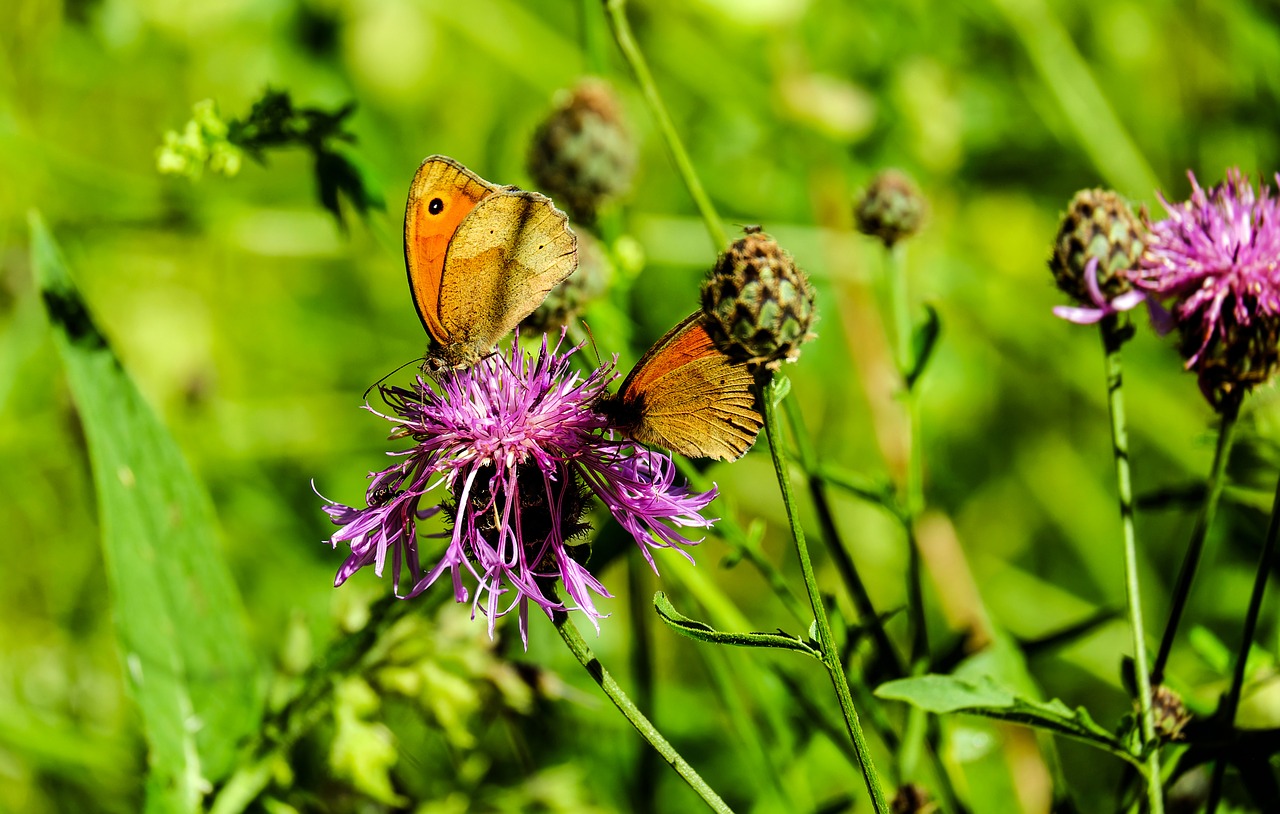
<point>1216,257</point>
<point>515,450</point>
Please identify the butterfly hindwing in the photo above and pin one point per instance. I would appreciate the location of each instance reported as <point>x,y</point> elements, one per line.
<point>503,260</point>
<point>686,396</point>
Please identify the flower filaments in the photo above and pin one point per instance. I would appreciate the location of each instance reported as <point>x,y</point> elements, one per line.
<point>515,447</point>
<point>1215,258</point>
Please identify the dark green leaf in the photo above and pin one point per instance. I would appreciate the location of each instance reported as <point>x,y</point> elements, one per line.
<point>942,694</point>
<point>705,633</point>
<point>179,620</point>
<point>923,342</point>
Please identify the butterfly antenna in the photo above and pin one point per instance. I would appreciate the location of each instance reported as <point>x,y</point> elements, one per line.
<point>592,339</point>
<point>387,376</point>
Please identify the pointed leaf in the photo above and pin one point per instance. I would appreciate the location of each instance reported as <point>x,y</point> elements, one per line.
<point>942,694</point>
<point>923,342</point>
<point>178,617</point>
<point>705,633</point>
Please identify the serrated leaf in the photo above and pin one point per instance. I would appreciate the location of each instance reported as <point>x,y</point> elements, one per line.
<point>923,341</point>
<point>178,617</point>
<point>703,632</point>
<point>941,694</point>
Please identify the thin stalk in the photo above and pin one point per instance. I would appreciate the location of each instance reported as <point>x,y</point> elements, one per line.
<point>641,611</point>
<point>1191,560</point>
<point>569,632</point>
<point>617,13</point>
<point>1113,337</point>
<point>1231,701</point>
<point>830,653</point>
<point>895,270</point>
<point>844,563</point>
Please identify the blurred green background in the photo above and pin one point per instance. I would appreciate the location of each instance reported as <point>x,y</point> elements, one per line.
<point>254,324</point>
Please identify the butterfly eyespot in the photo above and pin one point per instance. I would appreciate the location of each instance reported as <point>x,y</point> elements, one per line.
<point>436,206</point>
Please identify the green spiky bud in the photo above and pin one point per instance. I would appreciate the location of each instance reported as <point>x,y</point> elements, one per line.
<point>582,154</point>
<point>1098,224</point>
<point>759,304</point>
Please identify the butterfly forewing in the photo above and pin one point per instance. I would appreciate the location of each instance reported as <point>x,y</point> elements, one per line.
<point>442,194</point>
<point>503,260</point>
<point>685,395</point>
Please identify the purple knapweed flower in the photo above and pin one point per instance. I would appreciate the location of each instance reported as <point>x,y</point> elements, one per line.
<point>515,449</point>
<point>1215,258</point>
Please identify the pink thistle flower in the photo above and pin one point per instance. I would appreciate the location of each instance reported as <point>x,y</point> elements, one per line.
<point>516,449</point>
<point>1216,258</point>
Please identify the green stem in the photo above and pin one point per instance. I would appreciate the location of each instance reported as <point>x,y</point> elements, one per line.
<point>1191,560</point>
<point>646,780</point>
<point>1231,701</point>
<point>844,563</point>
<point>569,632</point>
<point>1113,336</point>
<point>895,269</point>
<point>830,653</point>
<point>617,13</point>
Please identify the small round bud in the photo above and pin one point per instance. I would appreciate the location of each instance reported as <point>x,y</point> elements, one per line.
<point>1098,224</point>
<point>891,208</point>
<point>759,305</point>
<point>587,284</point>
<point>582,154</point>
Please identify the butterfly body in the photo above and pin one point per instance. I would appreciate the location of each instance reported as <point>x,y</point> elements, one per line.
<point>687,396</point>
<point>480,258</point>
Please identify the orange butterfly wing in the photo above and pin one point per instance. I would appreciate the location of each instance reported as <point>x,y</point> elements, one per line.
<point>687,396</point>
<point>443,192</point>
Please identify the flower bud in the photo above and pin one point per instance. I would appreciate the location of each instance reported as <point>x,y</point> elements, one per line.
<point>1098,224</point>
<point>582,154</point>
<point>759,305</point>
<point>891,208</point>
<point>1171,715</point>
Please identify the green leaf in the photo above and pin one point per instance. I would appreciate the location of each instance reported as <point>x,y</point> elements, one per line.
<point>923,341</point>
<point>942,694</point>
<point>705,633</point>
<point>178,617</point>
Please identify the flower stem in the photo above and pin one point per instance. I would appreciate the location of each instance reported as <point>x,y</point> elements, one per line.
<point>1190,560</point>
<point>569,632</point>
<point>830,653</point>
<point>1231,700</point>
<point>895,269</point>
<point>1113,336</point>
<point>617,14</point>
<point>844,563</point>
<point>641,612</point>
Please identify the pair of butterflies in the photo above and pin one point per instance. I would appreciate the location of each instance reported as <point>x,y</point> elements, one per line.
<point>481,258</point>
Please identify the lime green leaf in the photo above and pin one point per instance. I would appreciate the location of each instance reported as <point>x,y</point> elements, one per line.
<point>942,694</point>
<point>179,620</point>
<point>363,752</point>
<point>705,633</point>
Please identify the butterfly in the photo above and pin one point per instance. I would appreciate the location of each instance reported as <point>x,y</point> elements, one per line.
<point>687,396</point>
<point>480,258</point>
